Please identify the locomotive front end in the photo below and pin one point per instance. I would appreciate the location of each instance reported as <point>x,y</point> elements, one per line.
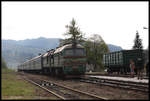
<point>74,61</point>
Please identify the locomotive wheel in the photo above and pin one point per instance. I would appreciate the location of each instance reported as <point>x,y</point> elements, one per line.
<point>59,72</point>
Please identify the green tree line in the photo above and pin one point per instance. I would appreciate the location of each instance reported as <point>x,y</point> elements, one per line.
<point>4,65</point>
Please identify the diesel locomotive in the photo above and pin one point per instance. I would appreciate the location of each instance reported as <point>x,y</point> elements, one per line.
<point>66,61</point>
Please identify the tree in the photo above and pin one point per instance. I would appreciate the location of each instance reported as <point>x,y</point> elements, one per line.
<point>95,49</point>
<point>74,33</point>
<point>4,65</point>
<point>137,42</point>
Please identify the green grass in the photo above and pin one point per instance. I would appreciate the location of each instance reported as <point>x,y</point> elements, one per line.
<point>13,87</point>
<point>5,70</point>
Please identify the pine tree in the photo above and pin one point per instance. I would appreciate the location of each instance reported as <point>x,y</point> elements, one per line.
<point>76,36</point>
<point>137,42</point>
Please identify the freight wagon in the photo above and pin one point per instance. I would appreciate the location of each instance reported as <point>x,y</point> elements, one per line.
<point>67,60</point>
<point>119,61</point>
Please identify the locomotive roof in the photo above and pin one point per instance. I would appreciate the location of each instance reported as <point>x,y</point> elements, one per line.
<point>66,46</point>
<point>33,58</point>
<point>45,54</point>
<point>48,53</point>
<point>36,57</point>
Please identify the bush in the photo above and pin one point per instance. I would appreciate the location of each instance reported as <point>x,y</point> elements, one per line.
<point>4,65</point>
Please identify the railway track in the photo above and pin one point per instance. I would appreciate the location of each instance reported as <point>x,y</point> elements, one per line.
<point>61,91</point>
<point>143,87</point>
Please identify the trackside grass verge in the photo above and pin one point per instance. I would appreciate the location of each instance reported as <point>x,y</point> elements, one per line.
<point>13,87</point>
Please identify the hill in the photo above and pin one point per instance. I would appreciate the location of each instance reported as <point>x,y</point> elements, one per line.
<point>41,42</point>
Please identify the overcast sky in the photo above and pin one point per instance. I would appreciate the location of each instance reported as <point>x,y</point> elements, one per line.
<point>115,22</point>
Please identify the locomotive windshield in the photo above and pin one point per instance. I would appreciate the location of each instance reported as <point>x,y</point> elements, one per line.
<point>75,52</point>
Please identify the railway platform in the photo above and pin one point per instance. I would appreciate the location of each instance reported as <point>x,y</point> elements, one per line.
<point>135,79</point>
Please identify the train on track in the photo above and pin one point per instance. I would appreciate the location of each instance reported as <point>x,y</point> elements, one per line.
<point>119,61</point>
<point>66,61</point>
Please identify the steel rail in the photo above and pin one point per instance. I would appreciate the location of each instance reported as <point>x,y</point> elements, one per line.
<point>106,82</point>
<point>59,96</point>
<point>44,88</point>
<point>92,95</point>
<point>115,85</point>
